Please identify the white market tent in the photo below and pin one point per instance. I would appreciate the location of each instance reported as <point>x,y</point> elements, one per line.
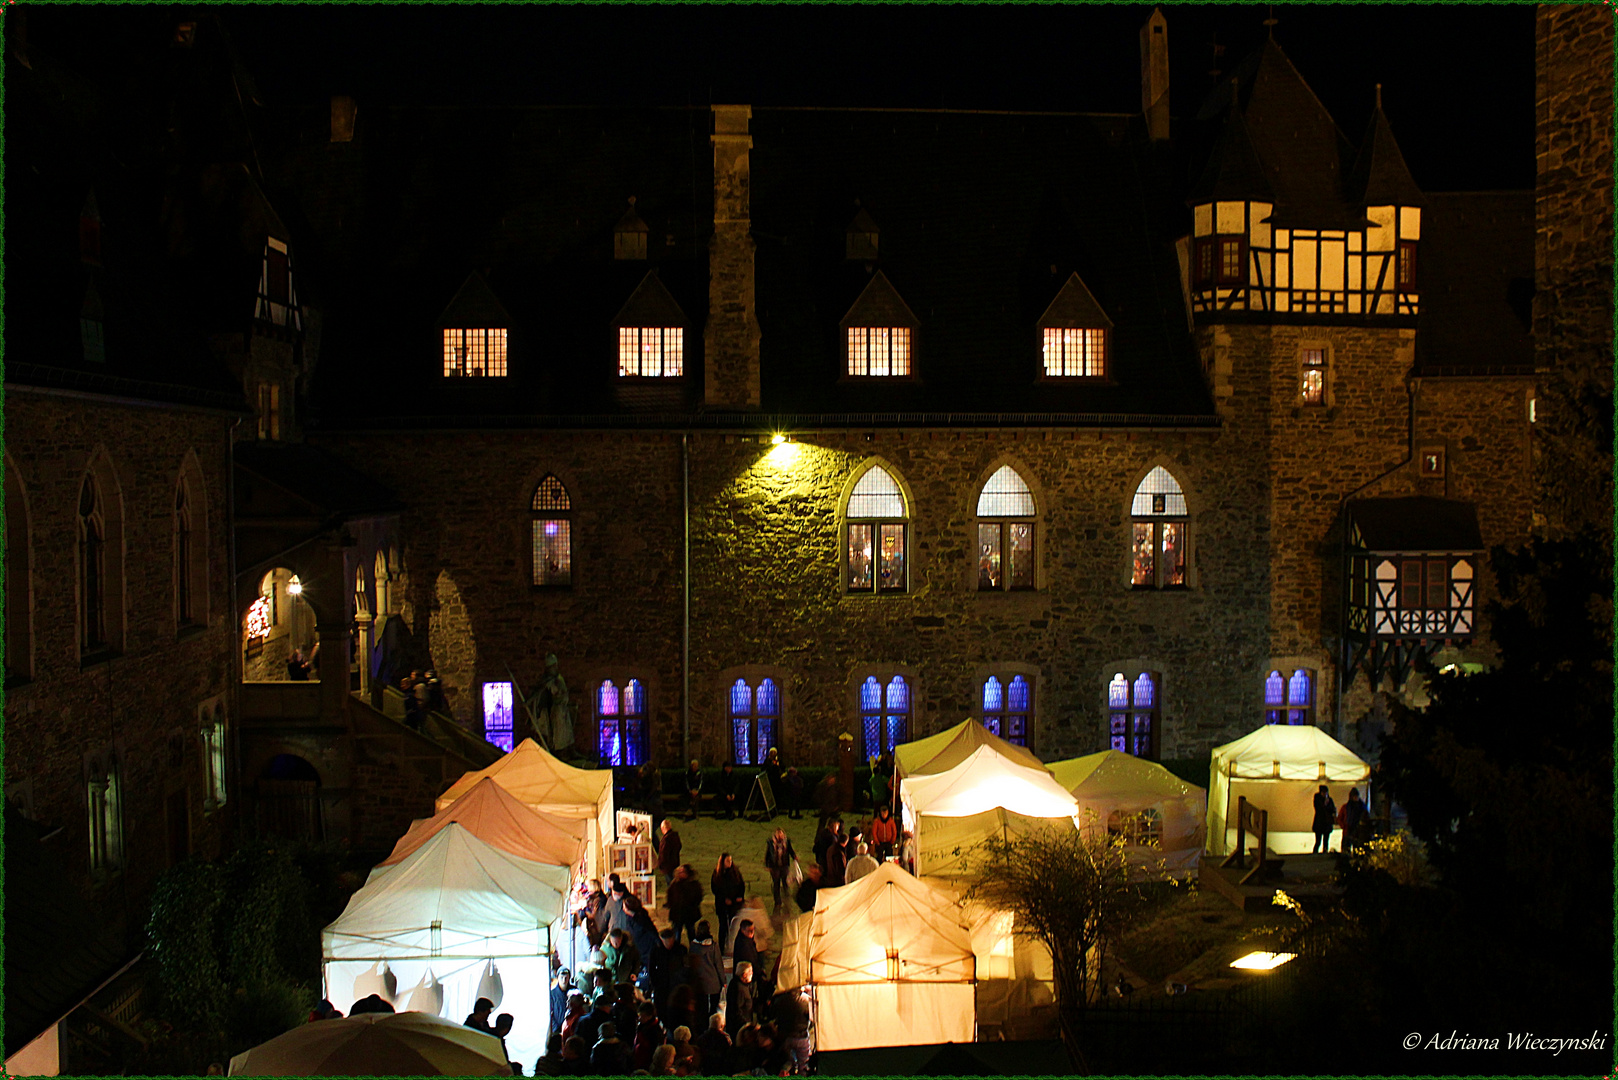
<point>941,752</point>
<point>541,781</point>
<point>1111,783</point>
<point>890,960</point>
<point>1279,768</point>
<point>986,795</point>
<point>495,816</point>
<point>445,913</point>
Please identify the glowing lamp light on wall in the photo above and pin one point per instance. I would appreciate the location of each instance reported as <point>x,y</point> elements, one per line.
<point>258,618</point>
<point>1263,961</point>
<point>294,587</point>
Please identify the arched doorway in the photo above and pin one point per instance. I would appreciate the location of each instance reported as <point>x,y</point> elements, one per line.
<point>288,800</point>
<point>278,632</point>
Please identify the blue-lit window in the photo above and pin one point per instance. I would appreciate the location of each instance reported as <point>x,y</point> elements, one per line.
<point>755,720</point>
<point>497,727</point>
<point>1133,711</point>
<point>884,714</point>
<point>1008,708</point>
<point>621,723</point>
<point>1289,700</point>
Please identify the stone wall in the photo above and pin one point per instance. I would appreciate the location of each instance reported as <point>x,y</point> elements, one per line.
<point>1573,269</point>
<point>144,703</point>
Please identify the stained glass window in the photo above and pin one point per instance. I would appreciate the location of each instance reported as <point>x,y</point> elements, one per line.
<point>1300,697</point>
<point>1006,708</point>
<point>552,525</point>
<point>497,727</point>
<point>884,714</point>
<point>754,714</point>
<point>1275,698</point>
<point>1133,709</point>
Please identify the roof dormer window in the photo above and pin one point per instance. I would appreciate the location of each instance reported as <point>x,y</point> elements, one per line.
<point>1074,334</point>
<point>651,351</point>
<point>477,351</point>
<point>629,235</point>
<point>879,334</point>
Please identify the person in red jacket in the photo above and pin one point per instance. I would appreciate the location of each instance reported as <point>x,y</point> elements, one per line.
<point>884,833</point>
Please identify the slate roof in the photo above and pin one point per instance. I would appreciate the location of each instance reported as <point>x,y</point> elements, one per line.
<point>1475,267</point>
<point>1380,176</point>
<point>1417,523</point>
<point>323,482</point>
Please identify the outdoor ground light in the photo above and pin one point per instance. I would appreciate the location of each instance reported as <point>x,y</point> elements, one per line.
<point>777,439</point>
<point>1263,961</point>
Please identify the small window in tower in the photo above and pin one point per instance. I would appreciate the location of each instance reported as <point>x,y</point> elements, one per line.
<point>1312,380</point>
<point>475,352</point>
<point>1432,461</point>
<point>1231,250</point>
<point>1407,265</point>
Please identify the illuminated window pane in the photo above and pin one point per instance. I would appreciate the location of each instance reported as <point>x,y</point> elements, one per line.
<point>879,351</point>
<point>475,351</point>
<point>741,733</point>
<point>651,351</point>
<point>859,556</point>
<point>769,698</point>
<point>1018,698</point>
<point>741,698</point>
<point>991,724</point>
<point>1314,377</point>
<point>1230,259</point>
<point>1159,482</point>
<point>553,552</point>
<point>497,701</point>
<point>635,698</point>
<point>988,556</point>
<point>871,695</point>
<point>1005,495</point>
<point>608,702</point>
<point>898,694</point>
<point>1073,352</point>
<point>893,558</point>
<point>1173,566</point>
<point>877,495</point>
<point>1275,689</point>
<point>1118,692</point>
<point>551,495</point>
<point>1119,732</point>
<point>1143,691</point>
<point>1299,690</point>
<point>1022,555</point>
<point>1143,554</point>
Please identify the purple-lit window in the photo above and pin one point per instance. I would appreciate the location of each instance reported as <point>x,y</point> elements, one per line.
<point>754,719</point>
<point>1275,698</point>
<point>621,723</point>
<point>1007,708</point>
<point>884,714</point>
<point>553,534</point>
<point>1132,710</point>
<point>1300,697</point>
<point>497,727</point>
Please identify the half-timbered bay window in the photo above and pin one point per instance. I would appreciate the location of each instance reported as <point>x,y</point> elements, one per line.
<point>1008,708</point>
<point>1412,568</point>
<point>1159,533</point>
<point>879,351</point>
<point>877,526</point>
<point>474,352</point>
<point>621,723</point>
<point>884,714</point>
<point>651,351</point>
<point>552,533</point>
<point>1006,537</point>
<point>277,302</point>
<point>1289,699</point>
<point>1221,260</point>
<point>755,720</point>
<point>1133,714</point>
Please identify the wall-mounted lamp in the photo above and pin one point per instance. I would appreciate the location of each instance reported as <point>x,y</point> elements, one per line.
<point>777,439</point>
<point>294,587</point>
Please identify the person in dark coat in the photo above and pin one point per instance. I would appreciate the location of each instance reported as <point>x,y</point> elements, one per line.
<point>684,1010</point>
<point>648,1035</point>
<point>685,901</point>
<point>559,989</point>
<point>610,1055</point>
<point>575,1057</point>
<point>668,959</point>
<point>745,951</point>
<point>791,1015</point>
<point>668,852</point>
<point>830,833</point>
<point>1325,819</point>
<point>600,1013</point>
<point>794,793</point>
<point>693,790</point>
<point>642,929</point>
<point>725,787</point>
<point>729,890</point>
<point>707,965</point>
<point>714,1045</point>
<point>739,998</point>
<point>836,863</point>
<point>774,773</point>
<point>806,892</point>
<point>1352,816</point>
<point>478,1019</point>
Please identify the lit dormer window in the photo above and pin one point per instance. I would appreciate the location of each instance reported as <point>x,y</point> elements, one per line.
<point>1074,330</point>
<point>277,302</point>
<point>473,352</point>
<point>651,351</point>
<point>879,333</point>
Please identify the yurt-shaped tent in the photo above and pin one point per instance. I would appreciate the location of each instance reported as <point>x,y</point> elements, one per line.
<point>541,781</point>
<point>463,913</point>
<point>495,816</point>
<point>984,796</point>
<point>1160,816</point>
<point>1279,768</point>
<point>890,962</point>
<point>942,752</point>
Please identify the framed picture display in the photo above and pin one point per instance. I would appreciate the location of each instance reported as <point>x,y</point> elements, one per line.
<point>645,890</point>
<point>618,859</point>
<point>643,858</point>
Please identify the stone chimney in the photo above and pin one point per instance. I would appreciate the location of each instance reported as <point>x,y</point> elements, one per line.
<point>1154,75</point>
<point>343,112</point>
<point>731,338</point>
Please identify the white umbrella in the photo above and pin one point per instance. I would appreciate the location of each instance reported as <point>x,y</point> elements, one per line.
<point>376,1044</point>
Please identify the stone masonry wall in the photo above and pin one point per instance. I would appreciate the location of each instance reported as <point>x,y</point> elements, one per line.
<point>1573,269</point>
<point>145,702</point>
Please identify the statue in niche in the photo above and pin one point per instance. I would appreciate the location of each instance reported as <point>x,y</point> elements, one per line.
<point>549,710</point>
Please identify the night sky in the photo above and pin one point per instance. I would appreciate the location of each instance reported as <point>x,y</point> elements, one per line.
<point>1458,81</point>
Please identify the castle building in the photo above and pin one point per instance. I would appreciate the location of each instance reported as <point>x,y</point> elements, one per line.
<point>770,424</point>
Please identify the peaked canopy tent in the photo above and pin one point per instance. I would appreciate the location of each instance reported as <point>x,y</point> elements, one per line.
<point>495,816</point>
<point>986,795</point>
<point>890,962</point>
<point>1279,768</point>
<point>449,917</point>
<point>541,781</point>
<point>942,752</point>
<point>1161,816</point>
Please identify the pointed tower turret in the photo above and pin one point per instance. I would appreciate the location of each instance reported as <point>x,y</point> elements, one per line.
<point>1382,186</point>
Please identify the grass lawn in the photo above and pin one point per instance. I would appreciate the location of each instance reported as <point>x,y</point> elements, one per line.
<point>1191,935</point>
